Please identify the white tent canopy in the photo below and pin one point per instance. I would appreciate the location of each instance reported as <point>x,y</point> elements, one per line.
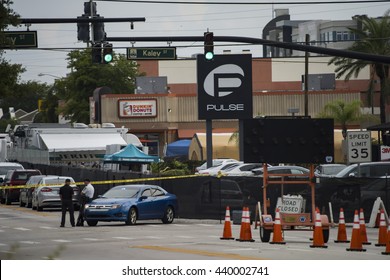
<point>79,142</point>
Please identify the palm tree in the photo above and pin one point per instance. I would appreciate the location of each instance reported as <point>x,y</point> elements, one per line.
<point>343,113</point>
<point>373,38</point>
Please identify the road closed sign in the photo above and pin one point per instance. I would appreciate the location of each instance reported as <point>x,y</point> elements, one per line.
<point>359,146</point>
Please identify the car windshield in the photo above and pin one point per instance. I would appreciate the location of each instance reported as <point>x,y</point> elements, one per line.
<point>347,170</point>
<point>121,192</point>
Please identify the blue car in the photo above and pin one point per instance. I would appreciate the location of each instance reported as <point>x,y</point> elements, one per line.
<point>129,203</point>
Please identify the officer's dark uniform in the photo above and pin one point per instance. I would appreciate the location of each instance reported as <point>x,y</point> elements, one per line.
<point>66,193</point>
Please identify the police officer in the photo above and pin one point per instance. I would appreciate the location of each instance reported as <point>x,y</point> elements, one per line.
<point>66,194</point>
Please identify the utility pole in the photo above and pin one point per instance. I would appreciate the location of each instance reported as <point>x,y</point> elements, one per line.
<point>306,83</point>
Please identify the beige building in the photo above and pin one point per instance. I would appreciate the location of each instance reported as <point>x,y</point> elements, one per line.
<point>161,118</point>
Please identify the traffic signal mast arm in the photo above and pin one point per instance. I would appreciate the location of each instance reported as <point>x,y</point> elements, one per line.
<point>256,41</point>
<point>78,20</point>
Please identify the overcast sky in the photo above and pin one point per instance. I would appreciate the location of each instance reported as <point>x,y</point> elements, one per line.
<point>161,20</point>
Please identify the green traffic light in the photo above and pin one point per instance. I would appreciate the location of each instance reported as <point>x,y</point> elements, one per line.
<point>209,56</point>
<point>108,57</point>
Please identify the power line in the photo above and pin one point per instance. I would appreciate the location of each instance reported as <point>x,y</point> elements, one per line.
<point>247,3</point>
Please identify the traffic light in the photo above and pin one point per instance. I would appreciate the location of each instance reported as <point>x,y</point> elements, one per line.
<point>87,8</point>
<point>97,53</point>
<point>209,45</point>
<point>83,30</point>
<point>107,53</point>
<point>99,35</point>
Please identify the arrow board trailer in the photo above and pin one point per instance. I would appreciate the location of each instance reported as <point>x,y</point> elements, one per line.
<point>291,207</point>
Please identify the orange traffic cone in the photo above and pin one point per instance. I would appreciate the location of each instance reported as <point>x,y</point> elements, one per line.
<point>227,228</point>
<point>363,230</point>
<point>356,243</point>
<point>245,230</point>
<point>277,237</point>
<point>382,235</point>
<point>387,252</point>
<point>342,231</point>
<point>318,235</point>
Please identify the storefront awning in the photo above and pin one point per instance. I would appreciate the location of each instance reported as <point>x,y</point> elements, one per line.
<point>79,142</point>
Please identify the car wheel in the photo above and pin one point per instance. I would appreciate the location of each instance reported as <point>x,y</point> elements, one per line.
<point>265,234</point>
<point>131,216</point>
<point>92,223</point>
<point>169,215</point>
<point>39,208</point>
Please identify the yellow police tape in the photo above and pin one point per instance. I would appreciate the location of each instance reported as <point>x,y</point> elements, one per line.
<point>108,181</point>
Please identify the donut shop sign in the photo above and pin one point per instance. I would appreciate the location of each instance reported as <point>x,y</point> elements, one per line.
<point>137,108</point>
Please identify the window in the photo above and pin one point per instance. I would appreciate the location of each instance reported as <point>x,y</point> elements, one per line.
<point>339,36</point>
<point>147,193</point>
<point>157,192</point>
<point>345,35</point>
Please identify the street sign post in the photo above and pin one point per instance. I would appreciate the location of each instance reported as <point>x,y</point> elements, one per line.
<point>359,146</point>
<point>151,53</point>
<point>20,39</point>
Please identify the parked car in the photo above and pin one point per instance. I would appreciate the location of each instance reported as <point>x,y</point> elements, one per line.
<point>7,166</point>
<point>16,178</point>
<point>47,194</point>
<point>25,197</point>
<point>214,171</point>
<point>367,169</point>
<point>215,162</point>
<point>244,169</point>
<point>286,169</point>
<point>328,170</point>
<point>129,203</point>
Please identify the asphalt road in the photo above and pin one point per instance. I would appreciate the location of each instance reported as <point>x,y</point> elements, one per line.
<point>30,235</point>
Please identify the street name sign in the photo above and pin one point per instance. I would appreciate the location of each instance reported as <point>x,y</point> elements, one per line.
<point>151,53</point>
<point>359,146</point>
<point>20,39</point>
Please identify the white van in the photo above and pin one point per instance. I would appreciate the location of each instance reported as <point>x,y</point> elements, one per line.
<point>6,166</point>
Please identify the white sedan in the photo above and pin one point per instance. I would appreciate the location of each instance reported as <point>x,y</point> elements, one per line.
<point>214,171</point>
<point>244,169</point>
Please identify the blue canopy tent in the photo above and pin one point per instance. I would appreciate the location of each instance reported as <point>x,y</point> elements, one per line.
<point>130,154</point>
<point>178,148</point>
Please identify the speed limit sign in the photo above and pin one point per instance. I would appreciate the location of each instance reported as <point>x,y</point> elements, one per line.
<point>359,146</point>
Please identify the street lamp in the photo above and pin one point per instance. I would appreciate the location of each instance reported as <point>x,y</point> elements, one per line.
<point>46,74</point>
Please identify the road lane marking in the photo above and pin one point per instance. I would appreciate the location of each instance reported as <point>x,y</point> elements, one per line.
<point>198,252</point>
<point>30,242</point>
<point>153,237</point>
<point>185,236</point>
<point>45,227</point>
<point>124,238</point>
<point>92,239</point>
<point>61,240</point>
<point>22,229</point>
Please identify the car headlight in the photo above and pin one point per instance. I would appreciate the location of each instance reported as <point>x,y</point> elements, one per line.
<point>115,206</point>
<point>86,206</point>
